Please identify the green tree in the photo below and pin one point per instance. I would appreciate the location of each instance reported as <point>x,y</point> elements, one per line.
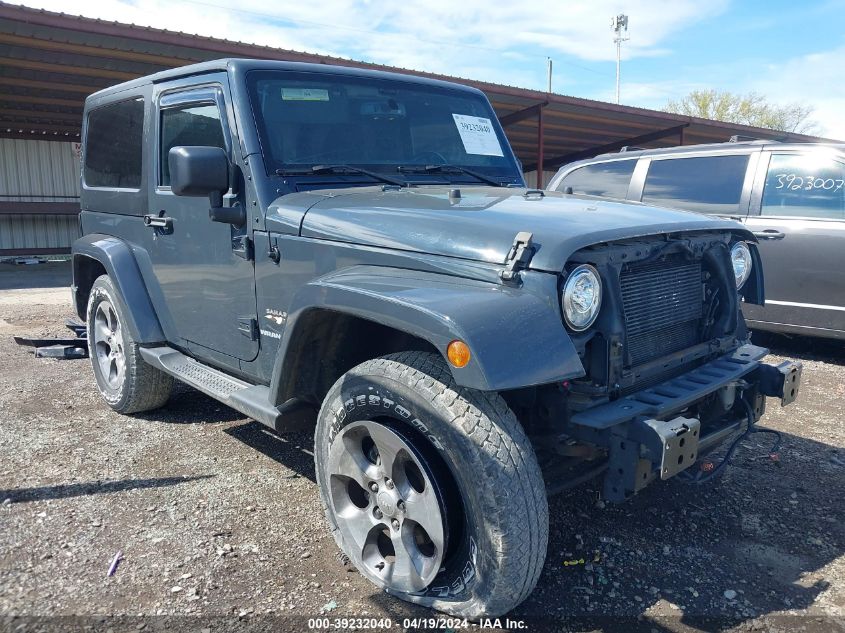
<point>747,109</point>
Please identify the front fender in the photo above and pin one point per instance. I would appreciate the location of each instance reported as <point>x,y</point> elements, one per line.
<point>119,263</point>
<point>515,335</point>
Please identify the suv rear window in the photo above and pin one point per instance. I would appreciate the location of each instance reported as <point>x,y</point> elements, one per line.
<point>804,185</point>
<point>113,145</point>
<point>708,184</point>
<point>610,179</point>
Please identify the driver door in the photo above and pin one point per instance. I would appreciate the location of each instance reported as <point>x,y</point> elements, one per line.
<point>205,275</point>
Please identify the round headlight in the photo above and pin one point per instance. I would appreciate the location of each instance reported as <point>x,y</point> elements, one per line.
<point>581,297</point>
<point>741,260</point>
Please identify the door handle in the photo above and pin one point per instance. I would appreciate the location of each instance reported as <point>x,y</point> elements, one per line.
<point>769,234</point>
<point>158,222</point>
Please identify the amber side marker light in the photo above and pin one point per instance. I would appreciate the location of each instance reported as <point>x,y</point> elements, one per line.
<point>458,353</point>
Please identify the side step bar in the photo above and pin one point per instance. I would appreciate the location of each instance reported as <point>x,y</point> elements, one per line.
<point>251,400</point>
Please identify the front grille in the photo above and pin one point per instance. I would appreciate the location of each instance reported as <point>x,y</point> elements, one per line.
<point>663,308</point>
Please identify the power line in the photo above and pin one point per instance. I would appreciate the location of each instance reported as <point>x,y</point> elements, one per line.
<point>298,21</point>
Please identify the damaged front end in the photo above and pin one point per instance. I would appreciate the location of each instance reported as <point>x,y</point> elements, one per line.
<point>661,431</point>
<point>670,373</point>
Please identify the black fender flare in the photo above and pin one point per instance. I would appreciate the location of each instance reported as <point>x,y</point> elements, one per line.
<point>119,262</point>
<point>515,335</point>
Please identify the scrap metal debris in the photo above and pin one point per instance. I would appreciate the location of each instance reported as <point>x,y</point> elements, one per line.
<point>76,347</point>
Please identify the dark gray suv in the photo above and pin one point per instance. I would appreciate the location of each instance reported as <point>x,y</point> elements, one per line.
<point>791,196</point>
<point>356,251</point>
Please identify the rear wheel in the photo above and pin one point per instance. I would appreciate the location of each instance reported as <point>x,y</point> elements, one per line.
<point>431,490</point>
<point>126,382</point>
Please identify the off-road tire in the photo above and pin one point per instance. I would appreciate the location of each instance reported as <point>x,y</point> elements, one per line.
<point>490,460</point>
<point>143,387</point>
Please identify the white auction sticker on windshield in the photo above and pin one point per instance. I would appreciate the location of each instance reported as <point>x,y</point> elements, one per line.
<point>478,135</point>
<point>305,94</point>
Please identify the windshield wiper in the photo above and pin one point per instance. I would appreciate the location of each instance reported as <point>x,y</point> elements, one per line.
<point>451,169</point>
<point>340,169</point>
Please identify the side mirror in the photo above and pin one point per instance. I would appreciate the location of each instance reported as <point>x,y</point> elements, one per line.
<point>198,171</point>
<point>204,171</point>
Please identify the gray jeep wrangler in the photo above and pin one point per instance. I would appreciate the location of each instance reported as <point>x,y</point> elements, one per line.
<point>313,243</point>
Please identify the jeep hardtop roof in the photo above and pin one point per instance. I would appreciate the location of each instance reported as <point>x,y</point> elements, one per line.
<point>238,66</point>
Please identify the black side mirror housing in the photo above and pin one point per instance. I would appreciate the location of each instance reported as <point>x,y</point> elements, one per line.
<point>204,171</point>
<point>198,171</point>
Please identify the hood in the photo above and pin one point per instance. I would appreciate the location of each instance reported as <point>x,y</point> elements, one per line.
<point>482,223</point>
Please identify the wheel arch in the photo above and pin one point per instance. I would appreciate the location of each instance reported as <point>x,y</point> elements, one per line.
<point>347,317</point>
<point>340,340</point>
<point>95,255</point>
<point>86,269</point>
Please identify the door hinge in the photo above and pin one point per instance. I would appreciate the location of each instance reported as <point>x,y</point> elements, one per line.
<point>242,247</point>
<point>518,257</point>
<point>248,326</point>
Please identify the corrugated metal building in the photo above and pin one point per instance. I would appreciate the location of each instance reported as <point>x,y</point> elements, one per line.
<point>49,63</point>
<point>33,172</point>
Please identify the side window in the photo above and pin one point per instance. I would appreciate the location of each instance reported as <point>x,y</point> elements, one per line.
<point>609,179</point>
<point>191,124</point>
<point>708,184</point>
<point>113,145</point>
<point>804,185</point>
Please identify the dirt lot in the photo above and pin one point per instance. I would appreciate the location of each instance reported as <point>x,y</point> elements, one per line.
<point>218,518</point>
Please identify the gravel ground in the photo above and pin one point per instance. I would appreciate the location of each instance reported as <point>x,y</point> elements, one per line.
<point>219,519</point>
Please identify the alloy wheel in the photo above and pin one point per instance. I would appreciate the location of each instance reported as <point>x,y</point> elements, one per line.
<point>387,506</point>
<point>108,345</point>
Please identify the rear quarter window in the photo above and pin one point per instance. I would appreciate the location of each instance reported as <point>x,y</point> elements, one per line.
<point>707,184</point>
<point>113,142</point>
<point>609,180</point>
<point>804,185</point>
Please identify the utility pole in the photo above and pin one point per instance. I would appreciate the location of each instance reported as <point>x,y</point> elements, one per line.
<point>619,24</point>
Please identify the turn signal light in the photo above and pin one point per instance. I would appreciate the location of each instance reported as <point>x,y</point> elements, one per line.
<point>458,353</point>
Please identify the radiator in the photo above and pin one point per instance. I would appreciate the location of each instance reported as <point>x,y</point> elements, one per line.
<point>663,304</point>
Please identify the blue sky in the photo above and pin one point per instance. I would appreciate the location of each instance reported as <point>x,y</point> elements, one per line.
<point>786,51</point>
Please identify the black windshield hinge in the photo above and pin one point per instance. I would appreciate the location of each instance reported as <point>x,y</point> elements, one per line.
<point>242,247</point>
<point>518,257</point>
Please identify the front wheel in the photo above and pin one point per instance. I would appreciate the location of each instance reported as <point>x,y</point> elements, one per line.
<point>433,491</point>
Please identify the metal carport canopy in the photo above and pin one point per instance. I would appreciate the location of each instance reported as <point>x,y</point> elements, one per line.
<point>52,61</point>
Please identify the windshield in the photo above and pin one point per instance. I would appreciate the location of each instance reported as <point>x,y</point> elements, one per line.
<point>313,119</point>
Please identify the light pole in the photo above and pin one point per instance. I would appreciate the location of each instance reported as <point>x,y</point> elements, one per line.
<point>619,24</point>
